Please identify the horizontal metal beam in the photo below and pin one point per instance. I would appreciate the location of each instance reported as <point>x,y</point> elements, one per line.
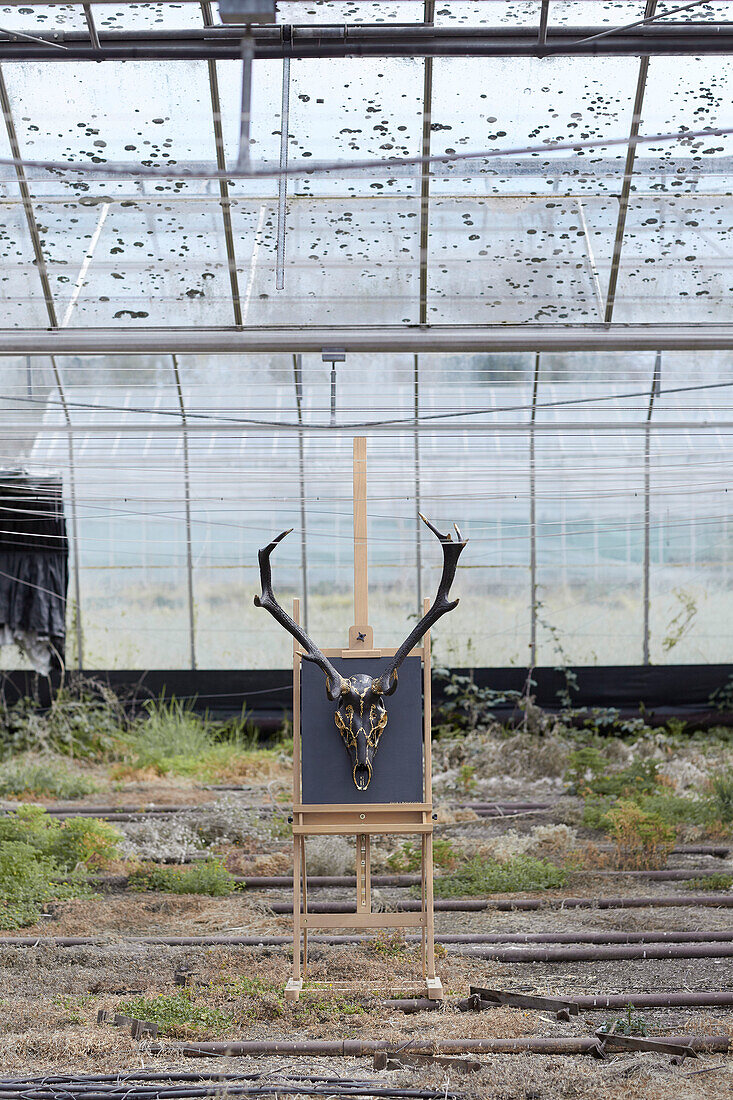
<point>393,426</point>
<point>224,43</point>
<point>410,339</point>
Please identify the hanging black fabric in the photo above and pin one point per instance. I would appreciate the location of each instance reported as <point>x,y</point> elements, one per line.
<point>33,566</point>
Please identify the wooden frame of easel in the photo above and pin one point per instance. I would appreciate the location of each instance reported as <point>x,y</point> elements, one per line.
<point>369,819</point>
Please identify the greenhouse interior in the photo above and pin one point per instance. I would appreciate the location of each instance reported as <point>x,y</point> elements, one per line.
<point>366,568</point>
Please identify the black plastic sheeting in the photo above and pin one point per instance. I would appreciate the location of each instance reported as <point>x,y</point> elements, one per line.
<point>662,690</point>
<point>33,557</point>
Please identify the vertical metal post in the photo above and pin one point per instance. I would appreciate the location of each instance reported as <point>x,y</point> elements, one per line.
<point>628,172</point>
<point>418,493</point>
<point>246,101</point>
<point>542,32</point>
<point>427,99</point>
<point>187,498</point>
<point>226,202</point>
<point>282,192</point>
<point>655,389</point>
<point>533,520</point>
<point>298,381</point>
<point>93,36</point>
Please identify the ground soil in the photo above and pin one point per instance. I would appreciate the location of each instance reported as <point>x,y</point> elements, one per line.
<point>50,996</point>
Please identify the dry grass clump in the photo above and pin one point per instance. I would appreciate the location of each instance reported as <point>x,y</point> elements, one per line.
<point>329,855</point>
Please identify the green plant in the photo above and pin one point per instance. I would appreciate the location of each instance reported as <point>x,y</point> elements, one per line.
<point>584,766</point>
<point>85,719</point>
<point>29,880</point>
<point>680,623</point>
<point>408,857</point>
<point>171,738</point>
<point>642,840</point>
<point>387,944</point>
<point>722,697</point>
<point>630,1024</point>
<point>85,841</point>
<point>717,881</point>
<point>468,706</point>
<point>43,777</point>
<point>177,1014</point>
<point>640,778</point>
<point>480,875</point>
<point>466,778</point>
<point>209,877</point>
<point>720,802</point>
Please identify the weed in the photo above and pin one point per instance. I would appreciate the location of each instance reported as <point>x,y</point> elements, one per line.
<point>468,706</point>
<point>640,778</point>
<point>84,841</point>
<point>408,857</point>
<point>172,739</point>
<point>630,1024</point>
<point>28,881</point>
<point>722,697</point>
<point>584,765</point>
<point>85,720</point>
<point>642,840</point>
<point>717,881</point>
<point>720,802</point>
<point>177,1014</point>
<point>43,777</point>
<point>387,944</point>
<point>466,778</point>
<point>676,809</point>
<point>480,875</point>
<point>209,877</point>
<point>87,841</point>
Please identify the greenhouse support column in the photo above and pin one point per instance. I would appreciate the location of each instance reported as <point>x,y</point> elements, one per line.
<point>226,204</point>
<point>298,381</point>
<point>187,500</point>
<point>427,107</point>
<point>623,207</point>
<point>533,521</point>
<point>647,500</point>
<point>282,183</point>
<point>418,493</point>
<point>40,263</point>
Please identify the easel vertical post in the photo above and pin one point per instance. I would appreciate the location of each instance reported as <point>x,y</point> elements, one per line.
<point>360,634</point>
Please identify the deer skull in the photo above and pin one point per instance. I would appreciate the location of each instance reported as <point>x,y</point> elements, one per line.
<point>361,713</point>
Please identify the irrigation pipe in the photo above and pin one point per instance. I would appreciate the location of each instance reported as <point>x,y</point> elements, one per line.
<point>356,1048</point>
<point>602,945</point>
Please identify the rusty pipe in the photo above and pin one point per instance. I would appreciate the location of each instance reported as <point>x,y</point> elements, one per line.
<point>356,1048</point>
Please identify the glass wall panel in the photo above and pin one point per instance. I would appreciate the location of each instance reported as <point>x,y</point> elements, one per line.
<point>692,602</point>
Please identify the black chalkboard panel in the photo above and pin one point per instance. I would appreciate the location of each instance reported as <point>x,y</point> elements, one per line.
<point>398,764</point>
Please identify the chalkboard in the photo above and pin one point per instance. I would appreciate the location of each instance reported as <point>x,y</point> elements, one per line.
<point>398,762</point>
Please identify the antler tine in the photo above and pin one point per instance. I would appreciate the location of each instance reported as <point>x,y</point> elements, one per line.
<point>440,606</point>
<point>268,601</point>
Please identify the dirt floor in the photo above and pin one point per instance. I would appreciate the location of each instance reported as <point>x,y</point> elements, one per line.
<point>50,996</point>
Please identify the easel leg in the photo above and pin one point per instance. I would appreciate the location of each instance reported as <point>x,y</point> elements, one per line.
<point>423,896</point>
<point>435,989</point>
<point>294,986</point>
<point>304,875</point>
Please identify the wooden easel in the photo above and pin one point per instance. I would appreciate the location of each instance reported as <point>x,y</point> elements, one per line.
<point>369,819</point>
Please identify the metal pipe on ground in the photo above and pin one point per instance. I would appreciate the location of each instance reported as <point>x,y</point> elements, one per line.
<point>596,953</point>
<point>318,882</point>
<point>478,905</point>
<point>606,945</point>
<point>355,1048</point>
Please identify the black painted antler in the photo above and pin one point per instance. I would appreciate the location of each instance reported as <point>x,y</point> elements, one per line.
<point>440,606</point>
<point>268,601</point>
